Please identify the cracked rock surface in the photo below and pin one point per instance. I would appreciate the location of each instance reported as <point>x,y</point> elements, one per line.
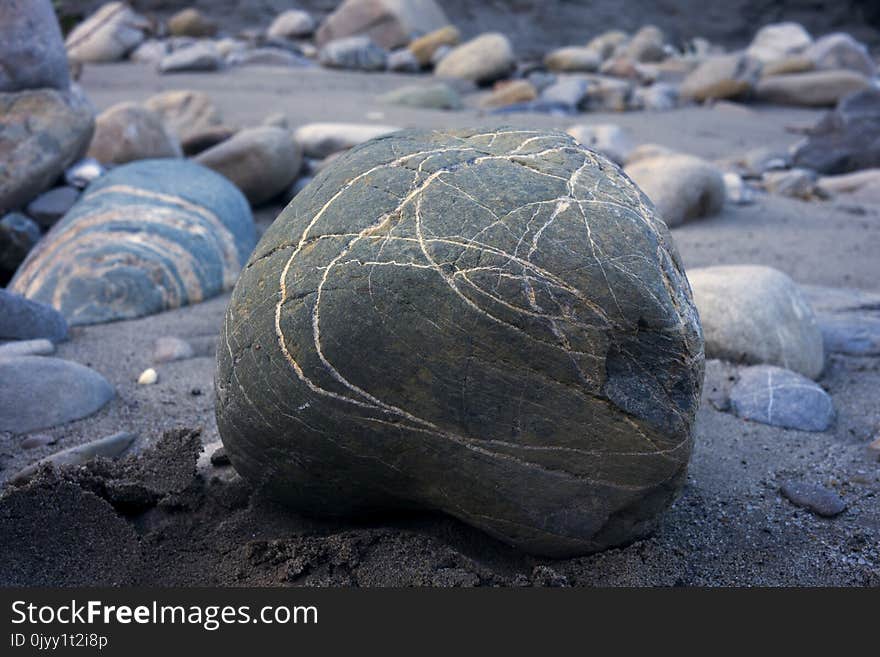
<point>494,324</point>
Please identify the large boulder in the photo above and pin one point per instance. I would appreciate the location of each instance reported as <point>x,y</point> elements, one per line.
<point>723,76</point>
<point>390,23</point>
<point>484,59</point>
<point>148,236</point>
<point>779,40</point>
<point>812,89</point>
<point>108,35</point>
<point>38,392</point>
<point>128,131</point>
<point>757,315</point>
<point>845,139</point>
<point>682,187</point>
<point>42,132</point>
<point>841,51</point>
<point>32,54</point>
<point>262,161</point>
<point>447,319</point>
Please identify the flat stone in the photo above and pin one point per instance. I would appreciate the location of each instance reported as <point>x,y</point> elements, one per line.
<point>38,392</point>
<point>36,347</point>
<point>564,357</point>
<point>358,53</point>
<point>813,89</point>
<point>781,398</point>
<point>433,96</point>
<point>754,315</point>
<point>267,57</point>
<point>42,132</point>
<point>50,206</point>
<point>32,54</point>
<point>818,499</point>
<point>148,236</point>
<point>23,319</point>
<point>201,56</point>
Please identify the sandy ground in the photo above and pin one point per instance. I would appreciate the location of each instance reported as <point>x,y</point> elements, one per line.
<point>730,526</point>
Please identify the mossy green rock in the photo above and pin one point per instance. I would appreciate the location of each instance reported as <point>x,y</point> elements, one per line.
<point>494,324</point>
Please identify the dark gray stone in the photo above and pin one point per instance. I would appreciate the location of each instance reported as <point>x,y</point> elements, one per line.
<point>846,138</point>
<point>495,324</point>
<point>782,398</point>
<point>18,235</point>
<point>818,499</point>
<point>38,392</point>
<point>23,319</point>
<point>50,206</point>
<point>356,53</point>
<point>32,52</point>
<point>148,236</point>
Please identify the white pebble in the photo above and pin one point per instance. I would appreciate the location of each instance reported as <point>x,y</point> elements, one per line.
<point>148,377</point>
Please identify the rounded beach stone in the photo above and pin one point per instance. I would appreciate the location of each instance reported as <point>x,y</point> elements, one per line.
<point>148,236</point>
<point>779,397</point>
<point>493,323</point>
<point>753,314</point>
<point>32,52</point>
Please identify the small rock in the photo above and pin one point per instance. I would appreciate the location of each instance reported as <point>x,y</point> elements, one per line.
<point>37,440</point>
<point>849,319</point>
<point>403,61</point>
<point>813,89</point>
<point>261,161</point>
<point>818,499</point>
<point>841,51</point>
<point>219,457</point>
<point>682,187</point>
<point>736,189</point>
<point>726,76</point>
<point>191,22</point>
<point>484,59</point>
<point>390,23</point>
<point>37,392</point>
<point>18,235</point>
<point>573,59</point>
<point>753,314</point>
<point>84,172</point>
<point>148,377</point>
<point>510,93</point>
<point>778,40</point>
<point>567,91</point>
<point>845,139</point>
<point>782,398</point>
<point>127,132</point>
<point>23,319</point>
<point>36,347</point>
<point>109,447</point>
<point>318,140</point>
<point>108,35</point>
<point>425,47</point>
<point>606,138</point>
<point>266,57</point>
<point>355,53</point>
<point>50,206</point>
<point>796,183</point>
<point>202,56</point>
<point>169,348</point>
<point>291,24</point>
<point>438,96</point>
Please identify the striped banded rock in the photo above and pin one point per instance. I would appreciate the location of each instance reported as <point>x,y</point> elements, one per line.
<point>148,236</point>
<point>492,324</point>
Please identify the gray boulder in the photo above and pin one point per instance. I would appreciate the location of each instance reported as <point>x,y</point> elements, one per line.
<point>148,236</point>
<point>38,392</point>
<point>753,314</point>
<point>782,398</point>
<point>32,52</point>
<point>446,319</point>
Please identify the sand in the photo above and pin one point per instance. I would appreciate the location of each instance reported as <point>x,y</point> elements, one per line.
<point>730,526</point>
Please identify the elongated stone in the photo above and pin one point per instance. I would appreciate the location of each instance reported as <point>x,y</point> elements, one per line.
<point>495,324</point>
<point>148,236</point>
